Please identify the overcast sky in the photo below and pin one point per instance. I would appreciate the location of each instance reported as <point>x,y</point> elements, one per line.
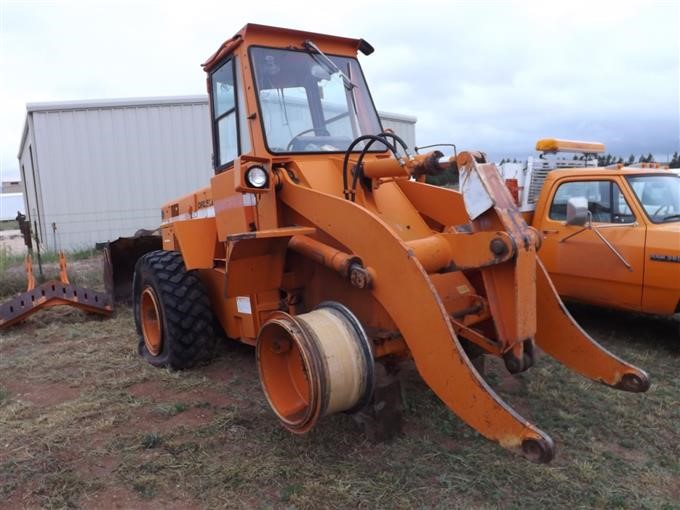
<point>493,76</point>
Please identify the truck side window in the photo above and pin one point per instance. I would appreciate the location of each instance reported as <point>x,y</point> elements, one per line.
<point>606,203</point>
<point>225,130</point>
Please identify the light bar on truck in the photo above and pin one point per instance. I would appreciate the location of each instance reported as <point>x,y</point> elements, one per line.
<point>557,145</point>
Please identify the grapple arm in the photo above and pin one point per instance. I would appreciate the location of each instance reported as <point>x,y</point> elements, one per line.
<point>428,331</point>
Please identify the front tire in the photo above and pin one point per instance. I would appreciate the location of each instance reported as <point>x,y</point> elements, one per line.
<point>172,312</point>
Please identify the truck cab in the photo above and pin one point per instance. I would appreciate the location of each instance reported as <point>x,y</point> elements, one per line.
<point>622,249</point>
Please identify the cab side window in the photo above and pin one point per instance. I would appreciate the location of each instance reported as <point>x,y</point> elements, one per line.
<point>606,203</point>
<point>225,127</point>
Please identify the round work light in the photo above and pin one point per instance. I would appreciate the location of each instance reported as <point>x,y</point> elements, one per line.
<point>256,177</point>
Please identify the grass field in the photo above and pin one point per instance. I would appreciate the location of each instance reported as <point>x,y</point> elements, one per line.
<point>13,275</point>
<point>9,225</point>
<point>84,422</point>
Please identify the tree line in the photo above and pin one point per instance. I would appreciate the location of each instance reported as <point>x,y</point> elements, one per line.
<point>610,159</point>
<point>451,177</point>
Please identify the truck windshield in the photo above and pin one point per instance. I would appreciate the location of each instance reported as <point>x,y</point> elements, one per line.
<point>307,106</point>
<point>659,196</point>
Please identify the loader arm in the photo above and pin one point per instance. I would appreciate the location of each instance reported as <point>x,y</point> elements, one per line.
<point>438,355</point>
<point>557,332</point>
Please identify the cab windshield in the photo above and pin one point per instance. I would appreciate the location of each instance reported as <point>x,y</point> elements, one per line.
<point>310,105</point>
<point>659,196</point>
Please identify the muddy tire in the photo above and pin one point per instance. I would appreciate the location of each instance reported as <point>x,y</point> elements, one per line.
<point>173,317</point>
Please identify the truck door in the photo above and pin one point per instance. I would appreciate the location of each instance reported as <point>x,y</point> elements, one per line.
<point>605,270</point>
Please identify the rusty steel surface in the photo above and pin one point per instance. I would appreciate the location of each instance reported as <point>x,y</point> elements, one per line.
<point>120,257</point>
<point>53,293</point>
<point>428,273</point>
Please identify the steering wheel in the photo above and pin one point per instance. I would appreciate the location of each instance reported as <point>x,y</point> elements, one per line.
<point>295,138</point>
<point>326,121</point>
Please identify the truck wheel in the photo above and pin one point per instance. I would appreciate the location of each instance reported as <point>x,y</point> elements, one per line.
<point>172,312</point>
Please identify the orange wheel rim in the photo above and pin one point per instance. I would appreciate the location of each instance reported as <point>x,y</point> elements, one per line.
<point>287,374</point>
<point>151,322</point>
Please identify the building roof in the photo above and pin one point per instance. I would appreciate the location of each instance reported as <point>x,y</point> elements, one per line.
<point>124,102</point>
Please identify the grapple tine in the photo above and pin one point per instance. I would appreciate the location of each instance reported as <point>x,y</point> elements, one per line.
<point>28,265</point>
<point>63,275</point>
<point>561,337</point>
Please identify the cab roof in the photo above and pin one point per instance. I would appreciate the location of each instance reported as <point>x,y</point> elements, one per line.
<point>607,172</point>
<point>265,35</point>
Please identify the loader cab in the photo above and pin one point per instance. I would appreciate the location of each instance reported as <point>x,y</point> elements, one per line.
<point>309,104</point>
<point>231,136</point>
<point>275,93</point>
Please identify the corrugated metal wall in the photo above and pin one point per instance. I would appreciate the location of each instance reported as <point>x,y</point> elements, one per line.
<point>32,187</point>
<point>104,170</point>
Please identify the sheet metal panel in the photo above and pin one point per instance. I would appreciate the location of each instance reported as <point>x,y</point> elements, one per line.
<point>106,171</point>
<point>32,194</point>
<point>404,126</point>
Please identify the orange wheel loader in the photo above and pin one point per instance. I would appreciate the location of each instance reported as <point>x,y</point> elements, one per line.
<point>318,242</point>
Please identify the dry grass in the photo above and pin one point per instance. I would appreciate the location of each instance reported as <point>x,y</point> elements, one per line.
<point>86,423</point>
<point>84,268</point>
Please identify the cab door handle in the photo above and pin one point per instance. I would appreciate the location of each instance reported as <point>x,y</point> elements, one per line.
<point>551,231</point>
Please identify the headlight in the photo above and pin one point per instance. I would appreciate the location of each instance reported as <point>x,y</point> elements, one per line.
<point>256,177</point>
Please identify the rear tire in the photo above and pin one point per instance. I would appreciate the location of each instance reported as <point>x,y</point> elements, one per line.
<point>172,312</point>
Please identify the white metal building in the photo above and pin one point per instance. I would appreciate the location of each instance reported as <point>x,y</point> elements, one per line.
<point>97,170</point>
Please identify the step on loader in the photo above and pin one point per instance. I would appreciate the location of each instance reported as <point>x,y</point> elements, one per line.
<point>319,243</point>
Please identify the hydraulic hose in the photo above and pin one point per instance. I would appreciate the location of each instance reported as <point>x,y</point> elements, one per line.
<point>381,137</point>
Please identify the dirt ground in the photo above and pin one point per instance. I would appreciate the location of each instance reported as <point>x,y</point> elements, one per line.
<point>86,423</point>
<point>13,241</point>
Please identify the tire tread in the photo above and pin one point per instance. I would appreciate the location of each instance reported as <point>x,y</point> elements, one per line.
<point>188,334</point>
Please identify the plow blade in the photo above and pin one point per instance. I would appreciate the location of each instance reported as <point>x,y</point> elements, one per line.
<point>561,337</point>
<point>120,257</point>
<point>49,294</point>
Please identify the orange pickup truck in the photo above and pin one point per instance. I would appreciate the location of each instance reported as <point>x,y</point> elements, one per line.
<point>611,235</point>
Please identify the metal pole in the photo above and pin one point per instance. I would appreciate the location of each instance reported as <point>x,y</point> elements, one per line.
<point>37,246</point>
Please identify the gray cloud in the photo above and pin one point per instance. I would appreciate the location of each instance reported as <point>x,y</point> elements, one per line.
<point>494,76</point>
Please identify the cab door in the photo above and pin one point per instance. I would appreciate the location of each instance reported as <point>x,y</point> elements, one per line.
<point>606,270</point>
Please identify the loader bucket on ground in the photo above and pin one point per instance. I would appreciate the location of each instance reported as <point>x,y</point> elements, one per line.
<point>120,257</point>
